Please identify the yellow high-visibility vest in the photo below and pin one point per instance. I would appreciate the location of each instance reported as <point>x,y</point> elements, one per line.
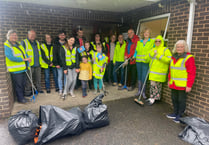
<point>178,72</point>
<point>29,51</point>
<point>70,57</point>
<point>46,51</point>
<point>97,65</point>
<point>13,66</point>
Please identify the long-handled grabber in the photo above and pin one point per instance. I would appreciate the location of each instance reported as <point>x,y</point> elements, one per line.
<point>33,87</point>
<point>126,61</point>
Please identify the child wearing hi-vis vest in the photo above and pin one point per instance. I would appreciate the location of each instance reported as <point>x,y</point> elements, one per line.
<point>180,78</point>
<point>99,65</point>
<point>85,74</point>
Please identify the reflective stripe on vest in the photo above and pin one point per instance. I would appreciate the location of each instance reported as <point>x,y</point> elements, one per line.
<point>158,73</point>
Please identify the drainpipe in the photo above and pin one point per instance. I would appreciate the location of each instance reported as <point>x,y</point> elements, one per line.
<point>191,23</point>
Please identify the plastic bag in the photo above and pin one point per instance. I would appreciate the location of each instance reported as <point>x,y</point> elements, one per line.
<point>96,114</point>
<point>197,131</point>
<point>56,122</point>
<point>22,126</point>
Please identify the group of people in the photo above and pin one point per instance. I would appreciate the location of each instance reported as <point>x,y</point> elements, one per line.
<point>77,62</point>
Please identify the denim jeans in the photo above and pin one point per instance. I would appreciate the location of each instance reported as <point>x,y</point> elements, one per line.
<point>84,86</point>
<point>60,78</point>
<point>142,69</point>
<point>47,76</point>
<point>70,81</point>
<point>115,77</point>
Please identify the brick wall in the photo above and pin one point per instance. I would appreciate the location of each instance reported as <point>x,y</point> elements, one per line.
<point>198,99</point>
<point>44,19</point>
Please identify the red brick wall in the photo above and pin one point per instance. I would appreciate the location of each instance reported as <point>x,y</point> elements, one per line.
<point>44,19</point>
<point>198,99</point>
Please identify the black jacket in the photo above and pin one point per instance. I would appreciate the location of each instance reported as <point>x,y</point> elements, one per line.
<point>77,43</point>
<point>104,48</point>
<point>56,51</point>
<point>63,60</point>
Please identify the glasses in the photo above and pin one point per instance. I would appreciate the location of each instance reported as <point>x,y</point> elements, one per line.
<point>157,41</point>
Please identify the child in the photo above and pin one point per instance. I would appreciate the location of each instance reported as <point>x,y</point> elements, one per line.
<point>85,74</point>
<point>180,78</point>
<point>99,64</point>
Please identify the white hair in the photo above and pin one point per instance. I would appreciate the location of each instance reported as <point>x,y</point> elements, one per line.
<point>31,31</point>
<point>10,32</point>
<point>183,42</point>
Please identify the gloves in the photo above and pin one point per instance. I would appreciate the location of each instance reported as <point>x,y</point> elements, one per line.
<point>125,63</point>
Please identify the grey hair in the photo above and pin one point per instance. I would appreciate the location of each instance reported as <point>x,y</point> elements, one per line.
<point>31,30</point>
<point>186,49</point>
<point>10,32</point>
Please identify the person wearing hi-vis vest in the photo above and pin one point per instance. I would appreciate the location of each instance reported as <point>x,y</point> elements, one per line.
<point>70,63</point>
<point>17,62</point>
<point>180,78</point>
<point>47,56</point>
<point>99,65</point>
<point>160,58</point>
<point>97,40</point>
<point>142,65</point>
<point>118,59</point>
<point>33,50</point>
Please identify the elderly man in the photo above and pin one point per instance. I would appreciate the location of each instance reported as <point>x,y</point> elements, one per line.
<point>129,52</point>
<point>33,50</point>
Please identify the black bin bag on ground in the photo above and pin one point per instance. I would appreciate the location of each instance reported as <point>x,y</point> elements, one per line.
<point>196,132</point>
<point>56,122</point>
<point>96,114</point>
<point>22,126</point>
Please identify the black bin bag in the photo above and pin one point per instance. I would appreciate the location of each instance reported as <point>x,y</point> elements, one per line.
<point>56,122</point>
<point>22,126</point>
<point>196,132</point>
<point>96,114</point>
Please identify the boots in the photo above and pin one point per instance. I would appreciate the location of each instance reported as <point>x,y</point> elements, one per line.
<point>139,89</point>
<point>144,92</point>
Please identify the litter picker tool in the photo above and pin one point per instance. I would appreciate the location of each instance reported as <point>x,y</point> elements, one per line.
<point>123,64</point>
<point>33,87</point>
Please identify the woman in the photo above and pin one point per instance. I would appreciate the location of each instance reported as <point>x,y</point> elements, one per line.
<point>17,64</point>
<point>70,62</point>
<point>159,64</point>
<point>143,48</point>
<point>180,78</point>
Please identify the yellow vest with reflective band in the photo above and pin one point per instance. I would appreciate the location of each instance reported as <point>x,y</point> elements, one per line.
<point>143,50</point>
<point>178,72</point>
<point>29,51</point>
<point>97,65</point>
<point>13,66</point>
<point>46,51</point>
<point>159,67</point>
<point>94,46</point>
<point>119,52</point>
<point>69,57</point>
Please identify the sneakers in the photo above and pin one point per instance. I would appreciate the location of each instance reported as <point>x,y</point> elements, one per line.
<point>57,89</point>
<point>64,96</point>
<point>171,116</point>
<point>176,120</point>
<point>119,85</point>
<point>60,92</point>
<point>72,95</point>
<point>48,91</point>
<point>130,88</point>
<point>150,101</point>
<point>95,92</point>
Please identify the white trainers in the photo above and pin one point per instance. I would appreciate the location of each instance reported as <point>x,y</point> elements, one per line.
<point>72,95</point>
<point>95,92</point>
<point>60,92</point>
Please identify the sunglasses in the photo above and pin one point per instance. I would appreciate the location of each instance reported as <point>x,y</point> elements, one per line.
<point>157,41</point>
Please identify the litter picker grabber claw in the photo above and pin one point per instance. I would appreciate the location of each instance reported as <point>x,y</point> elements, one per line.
<point>122,64</point>
<point>33,87</point>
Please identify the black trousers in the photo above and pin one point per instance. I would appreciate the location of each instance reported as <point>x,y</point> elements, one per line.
<point>19,81</point>
<point>108,76</point>
<point>132,74</point>
<point>179,101</point>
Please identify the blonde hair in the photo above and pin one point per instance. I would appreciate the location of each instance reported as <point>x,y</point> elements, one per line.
<point>144,30</point>
<point>186,49</point>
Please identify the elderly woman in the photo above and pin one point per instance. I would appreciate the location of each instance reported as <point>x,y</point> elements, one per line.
<point>159,64</point>
<point>143,48</point>
<point>180,78</point>
<point>17,64</point>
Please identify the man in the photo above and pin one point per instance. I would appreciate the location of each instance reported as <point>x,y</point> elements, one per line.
<point>79,39</point>
<point>59,42</point>
<point>129,52</point>
<point>33,50</point>
<point>47,56</point>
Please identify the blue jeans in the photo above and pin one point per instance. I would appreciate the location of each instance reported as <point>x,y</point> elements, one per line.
<point>84,86</point>
<point>142,69</point>
<point>47,77</point>
<point>60,77</point>
<point>115,78</point>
